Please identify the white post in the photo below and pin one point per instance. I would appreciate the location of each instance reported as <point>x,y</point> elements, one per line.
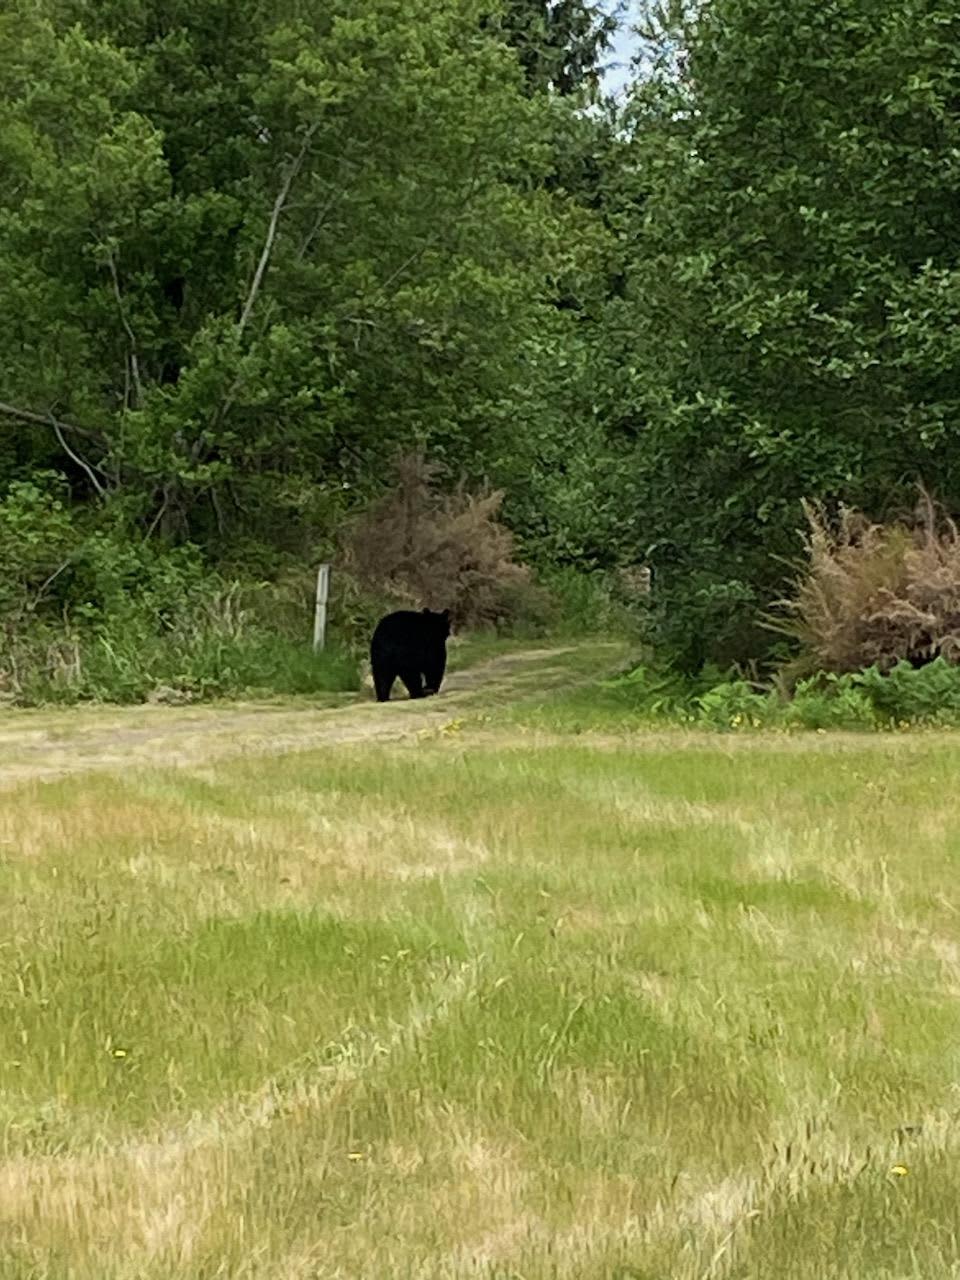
<point>320,615</point>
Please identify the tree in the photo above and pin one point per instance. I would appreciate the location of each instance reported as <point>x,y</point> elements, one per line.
<point>560,43</point>
<point>244,251</point>
<point>792,287</point>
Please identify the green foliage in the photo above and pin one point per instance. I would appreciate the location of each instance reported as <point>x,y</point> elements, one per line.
<point>699,617</point>
<point>915,695</point>
<point>583,603</point>
<point>221,328</point>
<point>871,699</point>
<point>559,42</point>
<point>129,661</point>
<point>208,344</point>
<point>92,615</point>
<point>652,692</point>
<point>243,261</point>
<point>733,704</point>
<point>37,535</point>
<point>830,702</point>
<point>789,314</point>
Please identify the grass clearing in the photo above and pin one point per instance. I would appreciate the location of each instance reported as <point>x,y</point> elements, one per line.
<point>496,1000</point>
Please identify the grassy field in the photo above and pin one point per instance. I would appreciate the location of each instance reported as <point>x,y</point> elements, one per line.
<point>508,997</point>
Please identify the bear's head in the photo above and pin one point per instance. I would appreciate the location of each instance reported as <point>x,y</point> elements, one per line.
<point>439,621</point>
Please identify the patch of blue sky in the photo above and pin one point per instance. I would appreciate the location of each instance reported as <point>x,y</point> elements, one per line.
<point>617,72</point>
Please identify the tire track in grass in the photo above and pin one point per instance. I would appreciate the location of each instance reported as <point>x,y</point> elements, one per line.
<point>131,1187</point>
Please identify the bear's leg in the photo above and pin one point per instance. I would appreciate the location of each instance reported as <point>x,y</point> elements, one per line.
<point>433,676</point>
<point>411,678</point>
<point>383,678</point>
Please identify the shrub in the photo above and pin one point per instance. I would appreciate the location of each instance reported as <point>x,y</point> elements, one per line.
<point>660,693</point>
<point>734,704</point>
<point>829,702</point>
<point>875,595</point>
<point>92,613</point>
<point>37,539</point>
<point>417,546</point>
<point>650,692</point>
<point>861,700</point>
<point>693,618</point>
<point>917,695</point>
<point>119,621</point>
<point>586,603</point>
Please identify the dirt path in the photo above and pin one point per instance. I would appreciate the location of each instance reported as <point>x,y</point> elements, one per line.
<point>44,746</point>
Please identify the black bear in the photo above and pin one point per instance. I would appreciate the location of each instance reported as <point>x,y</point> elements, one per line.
<point>412,646</point>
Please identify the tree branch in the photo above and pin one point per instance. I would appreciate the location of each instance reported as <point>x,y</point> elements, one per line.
<point>161,512</point>
<point>317,224</point>
<point>134,363</point>
<point>267,250</point>
<point>44,587</point>
<point>101,491</point>
<point>47,420</point>
<point>258,276</point>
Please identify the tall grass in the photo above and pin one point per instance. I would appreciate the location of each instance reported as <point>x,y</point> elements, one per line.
<point>219,649</point>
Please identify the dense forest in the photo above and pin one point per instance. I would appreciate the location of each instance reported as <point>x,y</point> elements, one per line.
<point>251,253</point>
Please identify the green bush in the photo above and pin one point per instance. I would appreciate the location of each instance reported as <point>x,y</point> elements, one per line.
<point>660,693</point>
<point>38,537</point>
<point>857,701</point>
<point>649,692</point>
<point>734,705</point>
<point>928,694</point>
<point>697,618</point>
<point>122,621</point>
<point>94,613</point>
<point>582,603</point>
<point>829,702</point>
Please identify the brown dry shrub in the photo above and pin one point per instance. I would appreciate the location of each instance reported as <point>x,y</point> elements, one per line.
<point>420,547</point>
<point>877,594</point>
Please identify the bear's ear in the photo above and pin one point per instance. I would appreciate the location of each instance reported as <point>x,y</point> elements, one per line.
<point>424,610</point>
<point>445,614</point>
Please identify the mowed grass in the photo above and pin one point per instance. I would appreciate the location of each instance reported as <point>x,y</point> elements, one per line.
<point>487,1004</point>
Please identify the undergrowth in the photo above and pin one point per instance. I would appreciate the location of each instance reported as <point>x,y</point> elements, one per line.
<point>129,664</point>
<point>903,697</point>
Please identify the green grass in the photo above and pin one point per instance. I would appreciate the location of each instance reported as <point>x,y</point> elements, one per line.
<point>492,1002</point>
<point>134,666</point>
<point>471,649</point>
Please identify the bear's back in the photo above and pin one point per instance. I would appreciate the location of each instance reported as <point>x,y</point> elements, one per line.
<point>403,626</point>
